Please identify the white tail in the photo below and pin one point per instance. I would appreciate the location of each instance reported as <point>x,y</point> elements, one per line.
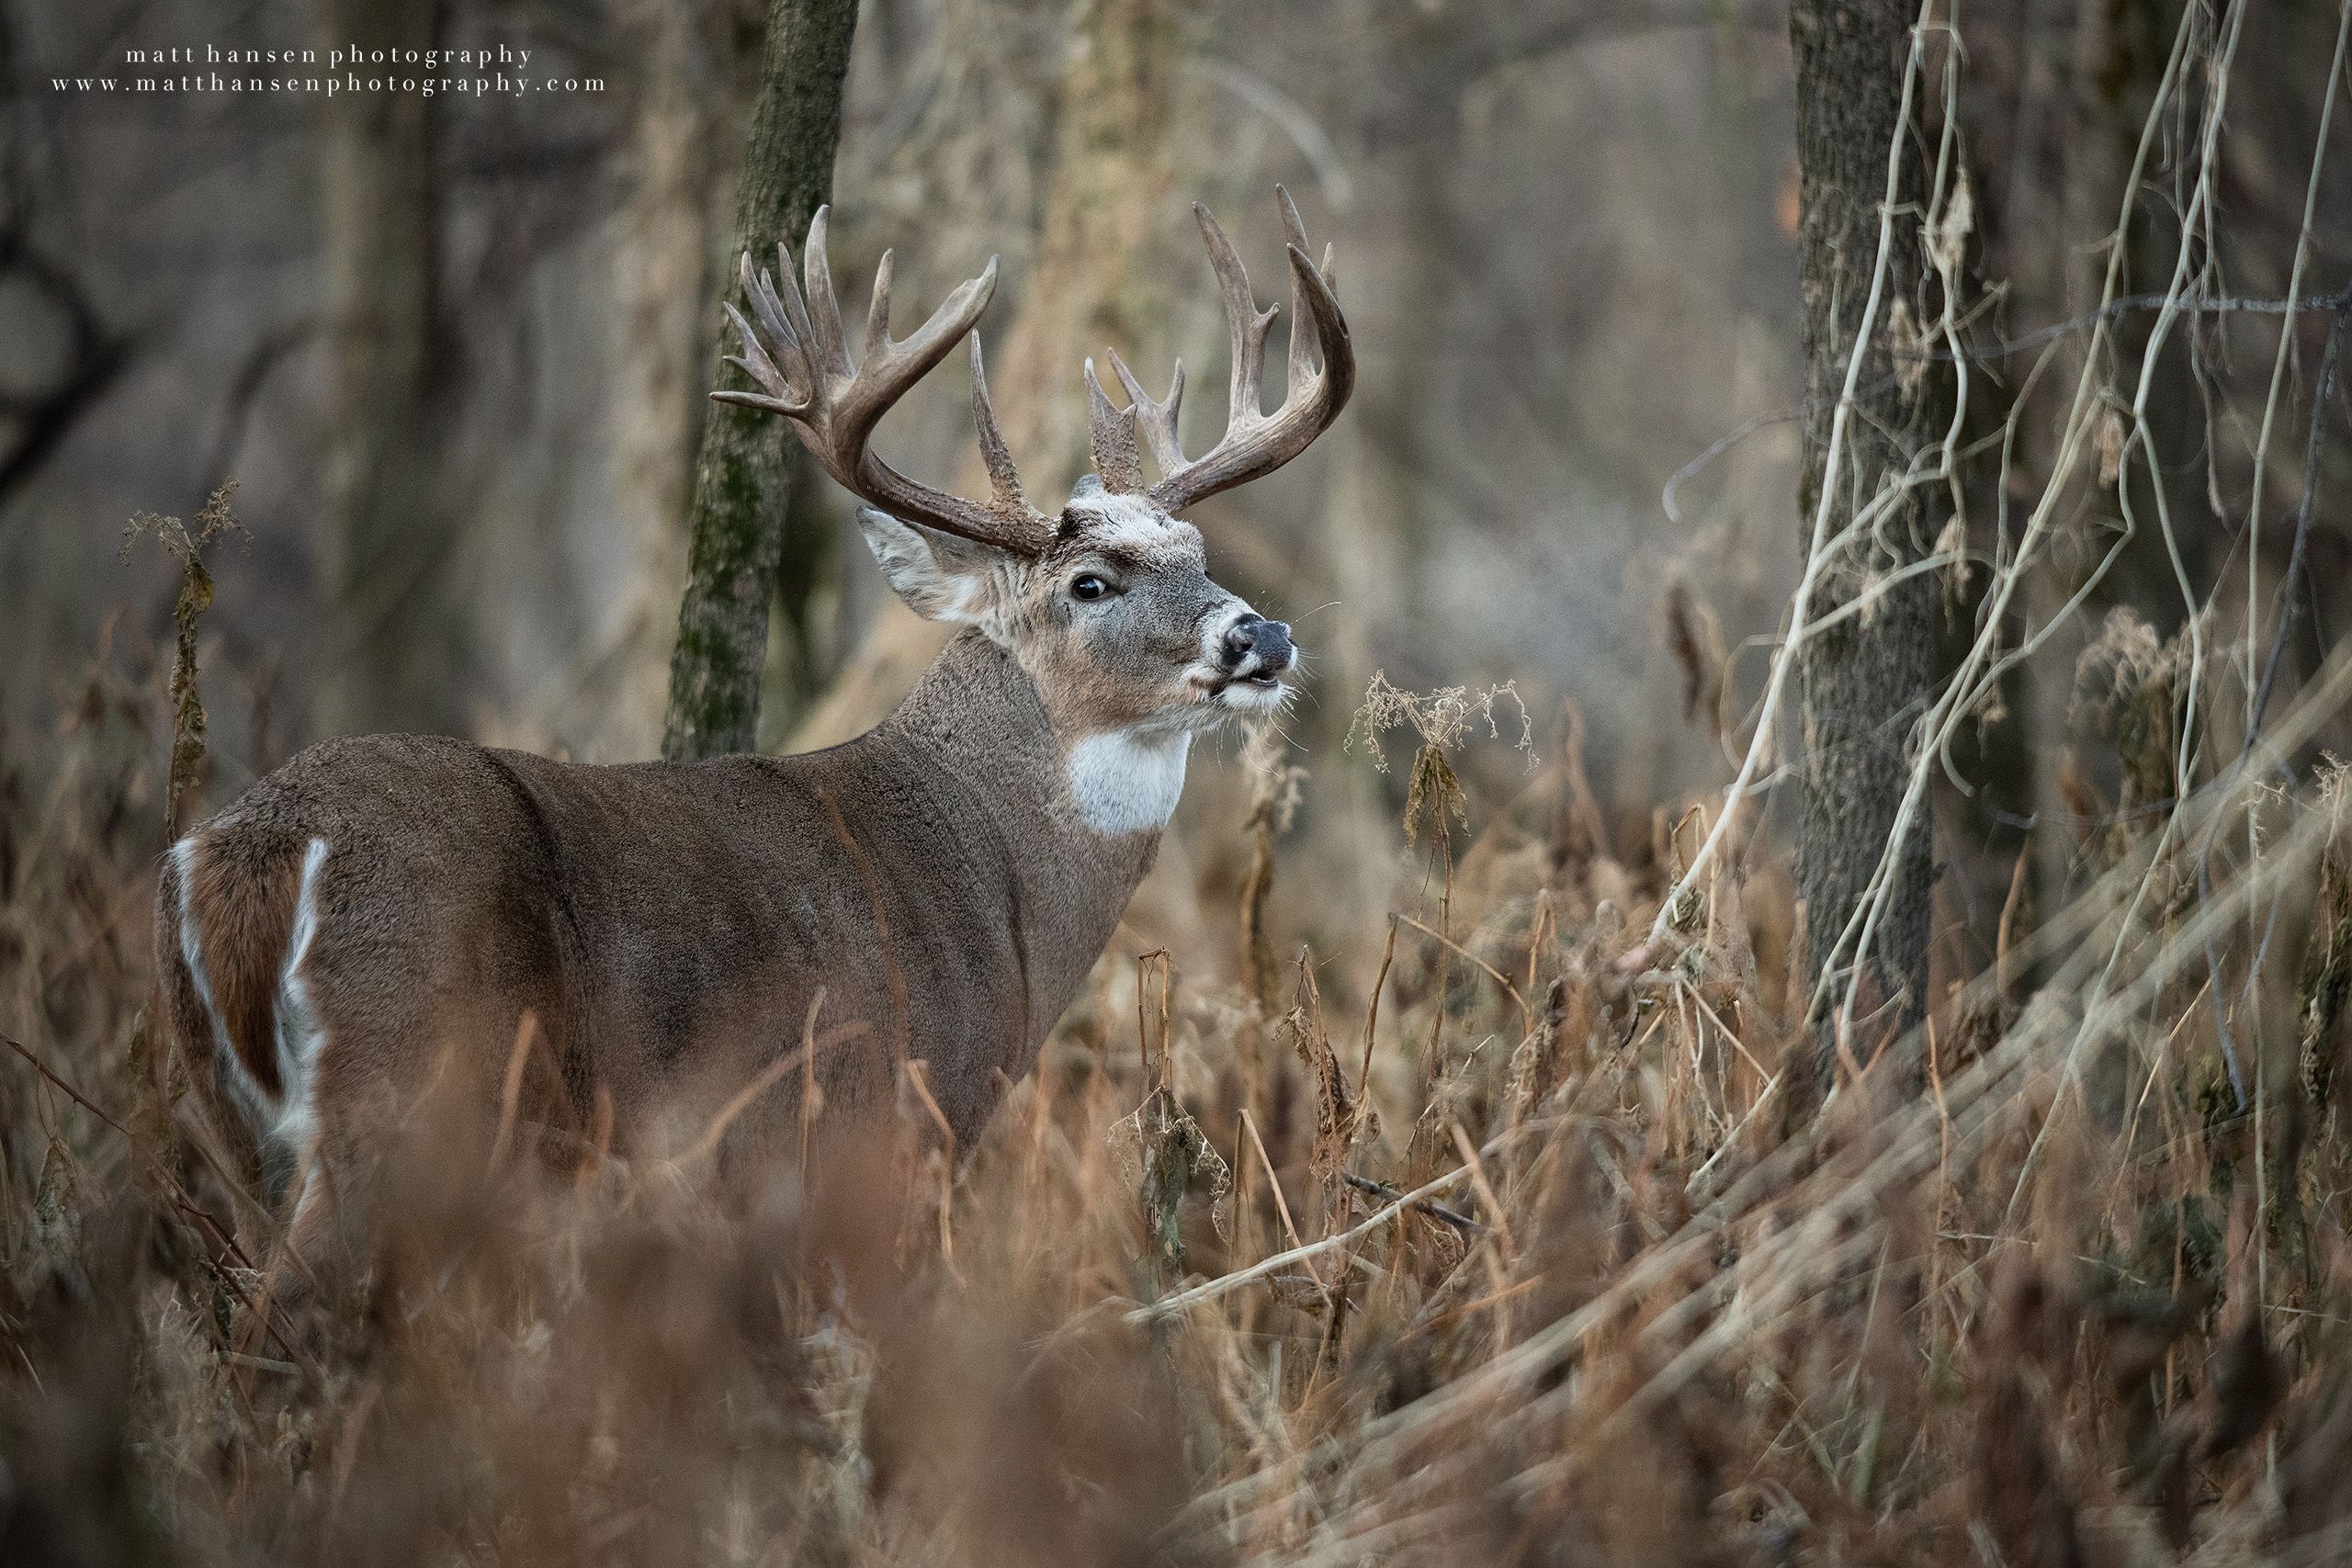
<point>383,904</point>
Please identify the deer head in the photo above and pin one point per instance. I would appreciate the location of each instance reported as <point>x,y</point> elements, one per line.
<point>1108,605</point>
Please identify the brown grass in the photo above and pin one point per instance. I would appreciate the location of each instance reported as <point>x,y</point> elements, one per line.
<point>1545,1285</point>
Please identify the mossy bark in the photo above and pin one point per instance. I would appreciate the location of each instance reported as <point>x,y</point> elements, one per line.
<point>743,476</point>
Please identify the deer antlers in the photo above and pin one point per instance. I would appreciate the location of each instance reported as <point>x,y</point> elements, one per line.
<point>1255,442</point>
<point>835,404</point>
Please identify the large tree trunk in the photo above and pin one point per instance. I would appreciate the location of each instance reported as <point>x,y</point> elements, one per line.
<point>743,479</point>
<point>1863,685</point>
<point>392,628</point>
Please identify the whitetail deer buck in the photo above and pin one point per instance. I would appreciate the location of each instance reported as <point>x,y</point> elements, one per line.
<point>383,906</point>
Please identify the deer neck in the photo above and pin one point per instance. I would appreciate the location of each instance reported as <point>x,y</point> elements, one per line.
<point>1083,814</point>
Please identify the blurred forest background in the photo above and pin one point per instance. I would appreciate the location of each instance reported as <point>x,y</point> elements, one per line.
<point>454,349</point>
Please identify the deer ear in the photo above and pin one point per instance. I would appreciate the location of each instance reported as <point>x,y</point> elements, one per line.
<point>942,576</point>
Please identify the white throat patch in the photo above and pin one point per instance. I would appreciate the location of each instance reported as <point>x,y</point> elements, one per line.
<point>1126,783</point>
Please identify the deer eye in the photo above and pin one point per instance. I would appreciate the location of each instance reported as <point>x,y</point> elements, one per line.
<point>1088,586</point>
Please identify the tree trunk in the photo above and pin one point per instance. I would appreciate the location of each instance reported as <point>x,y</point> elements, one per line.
<point>743,479</point>
<point>393,630</point>
<point>1862,685</point>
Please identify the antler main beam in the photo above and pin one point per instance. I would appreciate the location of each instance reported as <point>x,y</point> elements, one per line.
<point>1255,442</point>
<point>835,403</point>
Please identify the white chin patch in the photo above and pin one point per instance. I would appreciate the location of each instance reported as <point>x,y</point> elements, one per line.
<point>1252,696</point>
<point>1127,783</point>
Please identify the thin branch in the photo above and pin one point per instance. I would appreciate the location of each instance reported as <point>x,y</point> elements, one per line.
<point>1435,1211</point>
<point>1168,1307</point>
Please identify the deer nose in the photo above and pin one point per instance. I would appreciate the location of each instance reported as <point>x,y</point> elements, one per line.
<point>1254,640</point>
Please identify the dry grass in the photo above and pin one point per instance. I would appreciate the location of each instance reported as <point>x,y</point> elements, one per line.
<point>2075,1306</point>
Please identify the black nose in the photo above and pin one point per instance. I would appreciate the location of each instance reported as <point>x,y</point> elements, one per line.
<point>1269,640</point>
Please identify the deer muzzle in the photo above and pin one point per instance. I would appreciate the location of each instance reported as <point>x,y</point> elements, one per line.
<point>1255,648</point>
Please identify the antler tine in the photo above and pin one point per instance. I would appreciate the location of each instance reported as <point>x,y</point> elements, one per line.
<point>1156,420</point>
<point>1115,458</point>
<point>1245,323</point>
<point>1298,363</point>
<point>1293,229</point>
<point>800,338</point>
<point>893,366</point>
<point>1332,384</point>
<point>1004,480</point>
<point>760,289</point>
<point>877,314</point>
<point>1256,443</point>
<point>754,362</point>
<point>779,397</point>
<point>835,404</point>
<point>832,345</point>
